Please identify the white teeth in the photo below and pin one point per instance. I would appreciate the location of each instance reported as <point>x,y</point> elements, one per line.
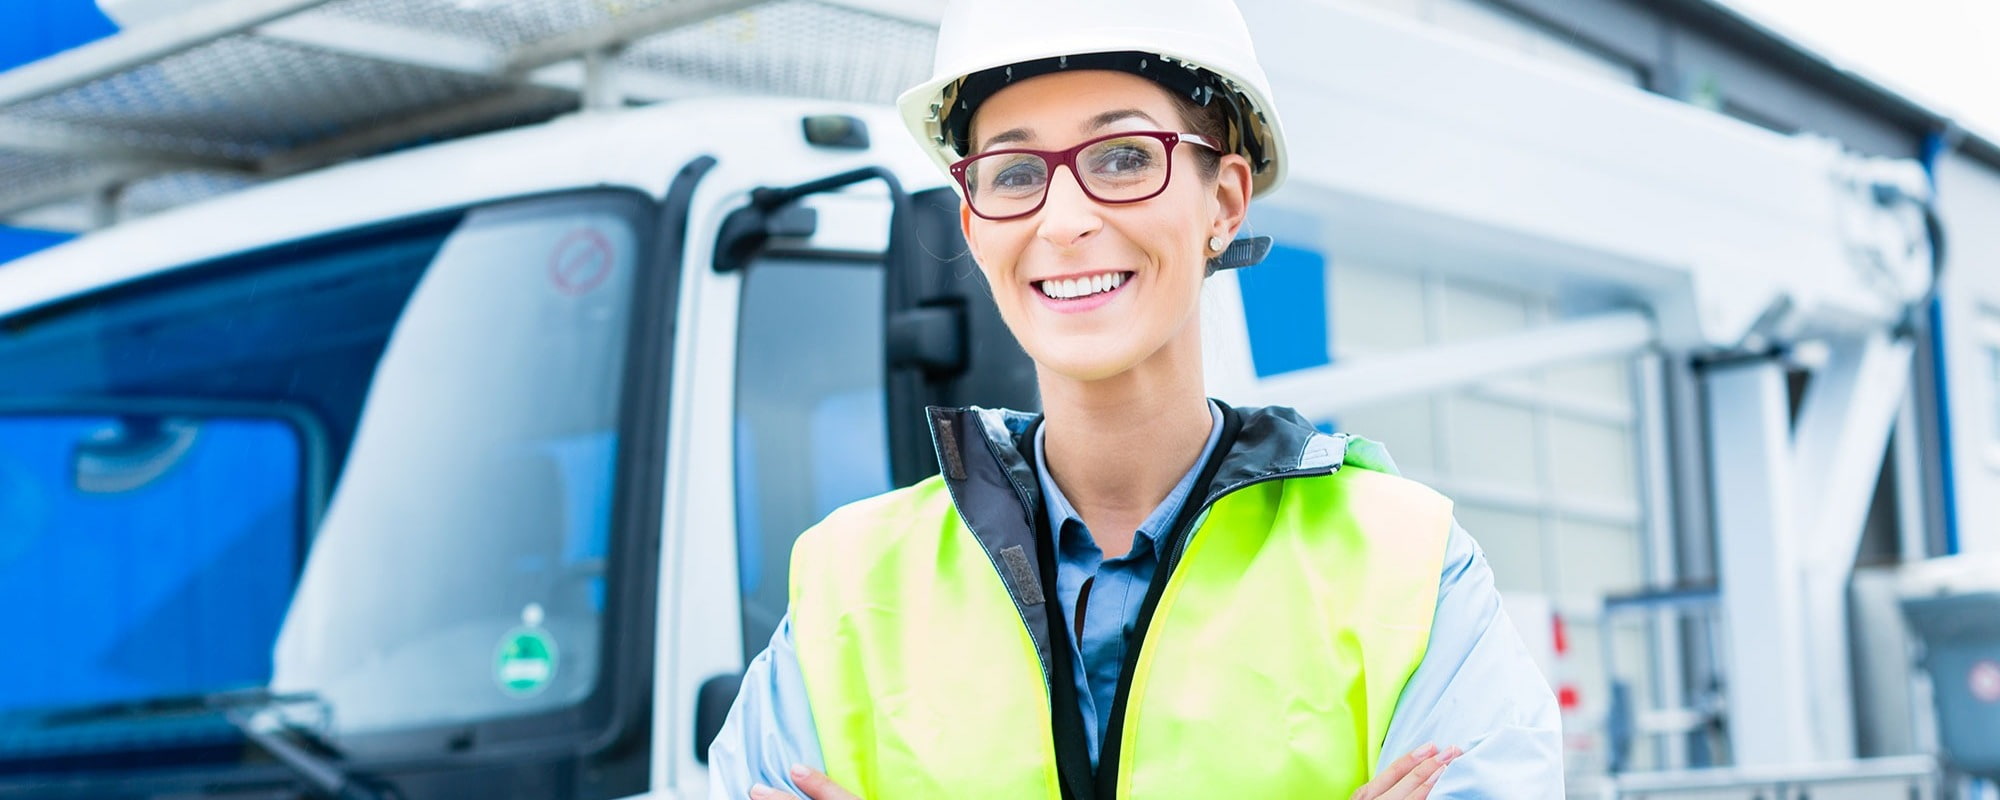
<point>1072,288</point>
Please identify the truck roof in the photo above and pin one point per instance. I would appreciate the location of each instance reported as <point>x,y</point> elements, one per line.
<point>638,149</point>
<point>164,112</point>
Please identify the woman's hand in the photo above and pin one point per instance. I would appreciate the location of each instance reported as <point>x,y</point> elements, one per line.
<point>814,783</point>
<point>1410,777</point>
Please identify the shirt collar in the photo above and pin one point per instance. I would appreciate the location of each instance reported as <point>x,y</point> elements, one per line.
<point>1061,512</point>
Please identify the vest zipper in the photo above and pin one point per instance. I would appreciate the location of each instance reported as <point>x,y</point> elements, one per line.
<point>1074,775</point>
<point>1110,750</point>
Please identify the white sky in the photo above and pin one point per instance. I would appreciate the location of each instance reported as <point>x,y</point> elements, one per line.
<point>1943,53</point>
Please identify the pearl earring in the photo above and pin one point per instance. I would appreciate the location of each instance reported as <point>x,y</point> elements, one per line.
<point>1215,243</point>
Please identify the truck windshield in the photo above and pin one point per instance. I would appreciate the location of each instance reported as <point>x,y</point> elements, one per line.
<point>375,468</point>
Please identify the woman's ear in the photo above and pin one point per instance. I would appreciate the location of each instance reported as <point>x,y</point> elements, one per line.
<point>1232,195</point>
<point>965,228</point>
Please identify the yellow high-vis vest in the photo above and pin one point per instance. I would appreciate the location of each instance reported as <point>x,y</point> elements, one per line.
<point>1292,602</point>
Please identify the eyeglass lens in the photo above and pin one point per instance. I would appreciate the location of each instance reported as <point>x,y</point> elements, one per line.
<point>1114,170</point>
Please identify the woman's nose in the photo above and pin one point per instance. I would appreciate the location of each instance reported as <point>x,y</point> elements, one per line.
<point>1068,214</point>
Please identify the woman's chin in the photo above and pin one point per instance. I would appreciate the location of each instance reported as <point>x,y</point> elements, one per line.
<point>1069,362</point>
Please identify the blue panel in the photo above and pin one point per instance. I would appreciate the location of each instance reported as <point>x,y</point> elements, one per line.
<point>127,586</point>
<point>587,463</point>
<point>1284,300</point>
<point>18,242</point>
<point>749,549</point>
<point>42,28</point>
<point>1934,146</point>
<point>1942,376</point>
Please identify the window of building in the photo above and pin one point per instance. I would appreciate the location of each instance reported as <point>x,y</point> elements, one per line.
<point>1993,393</point>
<point>1988,370</point>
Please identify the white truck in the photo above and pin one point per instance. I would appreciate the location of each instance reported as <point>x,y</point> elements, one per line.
<point>492,451</point>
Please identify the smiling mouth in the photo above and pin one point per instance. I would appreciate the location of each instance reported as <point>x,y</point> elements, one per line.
<point>1079,288</point>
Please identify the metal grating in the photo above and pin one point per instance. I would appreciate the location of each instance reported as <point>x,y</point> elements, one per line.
<point>23,171</point>
<point>245,98</point>
<point>265,96</point>
<point>796,47</point>
<point>507,24</point>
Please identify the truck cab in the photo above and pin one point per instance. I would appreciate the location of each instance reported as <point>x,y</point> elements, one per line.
<point>472,469</point>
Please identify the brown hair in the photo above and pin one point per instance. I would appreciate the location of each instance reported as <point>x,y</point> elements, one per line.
<point>1211,121</point>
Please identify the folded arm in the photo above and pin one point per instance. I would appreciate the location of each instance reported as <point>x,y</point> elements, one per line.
<point>769,728</point>
<point>1479,689</point>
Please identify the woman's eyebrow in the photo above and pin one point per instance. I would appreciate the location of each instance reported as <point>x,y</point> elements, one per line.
<point>1003,137</point>
<point>1109,117</point>
<point>1094,123</point>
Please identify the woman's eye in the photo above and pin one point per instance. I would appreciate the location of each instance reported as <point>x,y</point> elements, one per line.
<point>1122,161</point>
<point>1018,176</point>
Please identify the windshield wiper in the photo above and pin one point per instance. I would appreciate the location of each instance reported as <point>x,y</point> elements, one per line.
<point>178,705</point>
<point>321,770</point>
<point>305,753</point>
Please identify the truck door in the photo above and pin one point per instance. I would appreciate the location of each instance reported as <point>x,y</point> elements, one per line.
<point>830,314</point>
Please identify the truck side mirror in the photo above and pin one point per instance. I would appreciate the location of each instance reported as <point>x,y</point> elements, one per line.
<point>944,340</point>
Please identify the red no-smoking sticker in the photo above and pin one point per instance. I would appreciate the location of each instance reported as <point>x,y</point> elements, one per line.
<point>1985,681</point>
<point>581,262</point>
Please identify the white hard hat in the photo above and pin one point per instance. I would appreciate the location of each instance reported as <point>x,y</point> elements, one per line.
<point>1198,48</point>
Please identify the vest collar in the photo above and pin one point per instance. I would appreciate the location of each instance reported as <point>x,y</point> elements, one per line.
<point>1272,441</point>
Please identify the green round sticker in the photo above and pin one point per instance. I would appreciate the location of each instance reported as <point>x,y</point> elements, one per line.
<point>525,661</point>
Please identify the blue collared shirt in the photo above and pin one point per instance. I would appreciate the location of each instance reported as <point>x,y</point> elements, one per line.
<point>1477,687</point>
<point>1117,586</point>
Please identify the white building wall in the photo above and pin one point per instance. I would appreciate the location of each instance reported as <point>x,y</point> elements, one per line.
<point>1543,467</point>
<point>1504,29</point>
<point>1970,200</point>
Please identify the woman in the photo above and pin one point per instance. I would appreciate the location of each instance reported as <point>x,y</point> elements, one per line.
<point>1140,592</point>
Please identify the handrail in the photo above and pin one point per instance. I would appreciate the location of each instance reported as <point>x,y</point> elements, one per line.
<point>1920,768</point>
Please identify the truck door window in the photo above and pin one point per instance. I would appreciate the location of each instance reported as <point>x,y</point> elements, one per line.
<point>811,415</point>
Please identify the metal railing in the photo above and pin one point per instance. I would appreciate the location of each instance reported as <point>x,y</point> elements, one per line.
<point>1920,776</point>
